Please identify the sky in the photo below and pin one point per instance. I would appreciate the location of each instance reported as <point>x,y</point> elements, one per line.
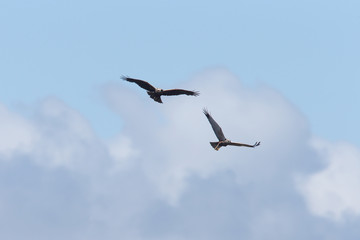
<point>85,155</point>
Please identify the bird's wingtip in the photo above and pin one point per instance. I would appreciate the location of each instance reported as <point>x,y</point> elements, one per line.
<point>206,111</point>
<point>124,77</point>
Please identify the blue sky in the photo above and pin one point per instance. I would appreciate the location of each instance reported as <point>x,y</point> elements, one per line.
<point>281,72</point>
<point>307,50</point>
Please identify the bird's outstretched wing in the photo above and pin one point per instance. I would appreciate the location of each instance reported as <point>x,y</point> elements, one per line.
<point>172,92</point>
<point>244,145</point>
<point>217,129</point>
<point>143,84</point>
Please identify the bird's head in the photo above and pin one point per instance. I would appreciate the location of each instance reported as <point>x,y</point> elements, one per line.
<point>159,90</point>
<point>227,141</point>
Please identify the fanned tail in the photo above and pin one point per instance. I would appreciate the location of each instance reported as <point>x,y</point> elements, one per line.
<point>216,145</point>
<point>155,96</point>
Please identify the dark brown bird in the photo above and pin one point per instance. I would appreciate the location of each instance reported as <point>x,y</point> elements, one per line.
<point>156,93</point>
<point>223,142</point>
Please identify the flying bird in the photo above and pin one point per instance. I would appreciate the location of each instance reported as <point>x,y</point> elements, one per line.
<point>223,142</point>
<point>156,93</point>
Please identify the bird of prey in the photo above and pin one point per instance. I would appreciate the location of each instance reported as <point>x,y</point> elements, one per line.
<point>223,142</point>
<point>156,93</point>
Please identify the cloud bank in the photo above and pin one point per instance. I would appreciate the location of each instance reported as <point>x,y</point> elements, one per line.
<point>331,192</point>
<point>159,178</point>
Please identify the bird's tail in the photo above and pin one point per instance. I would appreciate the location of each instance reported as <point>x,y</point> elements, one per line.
<point>155,96</point>
<point>216,145</point>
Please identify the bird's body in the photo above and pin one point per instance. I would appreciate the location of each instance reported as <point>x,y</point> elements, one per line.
<point>156,93</point>
<point>223,142</point>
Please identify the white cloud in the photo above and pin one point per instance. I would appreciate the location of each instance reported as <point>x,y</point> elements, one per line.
<point>176,135</point>
<point>67,139</point>
<point>57,136</point>
<point>333,191</point>
<point>159,178</point>
<point>17,134</point>
<point>122,151</point>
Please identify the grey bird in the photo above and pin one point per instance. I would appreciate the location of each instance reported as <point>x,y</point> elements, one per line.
<point>156,93</point>
<point>223,142</point>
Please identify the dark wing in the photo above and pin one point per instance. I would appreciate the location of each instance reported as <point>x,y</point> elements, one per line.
<point>172,92</point>
<point>141,83</point>
<point>244,145</point>
<point>217,129</point>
